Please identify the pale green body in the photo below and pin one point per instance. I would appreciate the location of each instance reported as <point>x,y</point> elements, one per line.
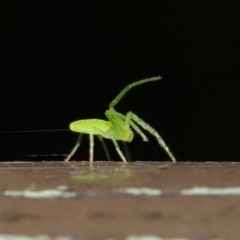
<point>85,126</point>
<point>118,128</point>
<point>103,128</point>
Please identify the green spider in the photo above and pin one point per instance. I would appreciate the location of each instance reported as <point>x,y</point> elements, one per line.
<point>118,128</point>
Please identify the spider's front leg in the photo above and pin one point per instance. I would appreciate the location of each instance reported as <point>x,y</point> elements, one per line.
<point>128,121</point>
<point>118,150</point>
<point>132,116</point>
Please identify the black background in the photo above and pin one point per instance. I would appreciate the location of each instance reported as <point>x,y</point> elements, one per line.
<point>63,61</point>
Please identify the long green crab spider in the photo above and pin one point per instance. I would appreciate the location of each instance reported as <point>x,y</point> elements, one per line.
<point>118,128</point>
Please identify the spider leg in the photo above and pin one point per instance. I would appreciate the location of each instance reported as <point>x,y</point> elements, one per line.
<point>91,146</point>
<point>104,147</point>
<point>135,127</point>
<point>118,150</point>
<point>126,151</point>
<point>146,126</point>
<point>74,148</point>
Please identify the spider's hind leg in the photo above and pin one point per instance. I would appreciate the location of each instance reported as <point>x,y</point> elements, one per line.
<point>104,147</point>
<point>74,148</point>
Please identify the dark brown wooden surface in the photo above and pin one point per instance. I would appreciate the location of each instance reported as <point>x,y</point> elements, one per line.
<point>117,201</point>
